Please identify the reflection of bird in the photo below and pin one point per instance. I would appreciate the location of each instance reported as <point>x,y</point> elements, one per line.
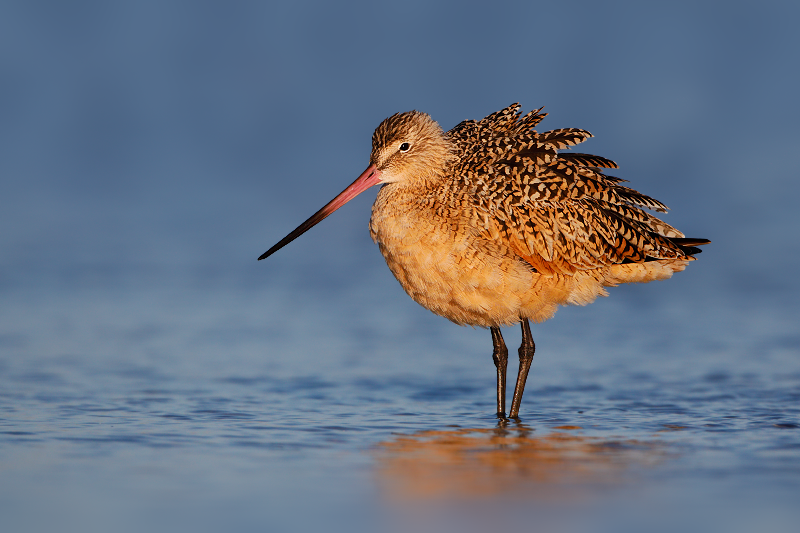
<point>475,463</point>
<point>489,224</point>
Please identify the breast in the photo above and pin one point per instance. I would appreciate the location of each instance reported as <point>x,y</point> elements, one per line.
<point>444,265</point>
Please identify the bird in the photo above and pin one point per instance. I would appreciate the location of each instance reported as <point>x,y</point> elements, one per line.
<point>492,224</point>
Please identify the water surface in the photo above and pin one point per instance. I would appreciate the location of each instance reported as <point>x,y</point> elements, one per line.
<point>180,410</point>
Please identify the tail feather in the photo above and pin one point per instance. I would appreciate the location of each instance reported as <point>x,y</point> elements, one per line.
<point>685,241</point>
<point>689,246</point>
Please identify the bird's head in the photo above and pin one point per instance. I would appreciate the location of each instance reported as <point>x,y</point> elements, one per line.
<point>409,147</point>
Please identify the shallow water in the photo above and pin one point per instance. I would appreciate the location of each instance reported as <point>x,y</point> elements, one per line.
<point>175,409</point>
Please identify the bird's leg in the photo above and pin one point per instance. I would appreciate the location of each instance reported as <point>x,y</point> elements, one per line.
<point>500,358</point>
<point>526,350</point>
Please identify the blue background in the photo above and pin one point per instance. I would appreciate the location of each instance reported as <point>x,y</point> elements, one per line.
<point>181,138</point>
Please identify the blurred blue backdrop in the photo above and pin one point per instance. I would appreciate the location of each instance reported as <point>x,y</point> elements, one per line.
<point>180,138</point>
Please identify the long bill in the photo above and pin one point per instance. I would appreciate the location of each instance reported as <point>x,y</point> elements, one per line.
<point>367,179</point>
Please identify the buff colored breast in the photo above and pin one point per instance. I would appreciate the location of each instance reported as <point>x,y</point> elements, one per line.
<point>446,267</point>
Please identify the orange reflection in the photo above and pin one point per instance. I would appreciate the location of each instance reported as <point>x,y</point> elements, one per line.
<point>474,463</point>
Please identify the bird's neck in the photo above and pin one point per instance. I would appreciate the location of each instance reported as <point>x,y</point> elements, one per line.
<point>432,169</point>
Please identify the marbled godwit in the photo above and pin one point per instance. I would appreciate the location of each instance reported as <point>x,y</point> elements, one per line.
<point>489,224</point>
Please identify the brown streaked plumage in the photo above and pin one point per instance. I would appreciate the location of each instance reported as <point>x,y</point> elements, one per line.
<point>491,223</point>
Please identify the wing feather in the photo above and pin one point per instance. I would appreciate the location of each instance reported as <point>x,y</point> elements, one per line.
<point>588,160</point>
<point>556,211</point>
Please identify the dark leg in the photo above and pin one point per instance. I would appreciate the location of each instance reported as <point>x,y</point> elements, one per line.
<point>526,350</point>
<point>500,358</point>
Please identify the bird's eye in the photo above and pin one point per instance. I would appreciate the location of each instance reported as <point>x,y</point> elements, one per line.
<point>405,147</point>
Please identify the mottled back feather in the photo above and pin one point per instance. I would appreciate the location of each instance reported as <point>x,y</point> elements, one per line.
<point>557,210</point>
